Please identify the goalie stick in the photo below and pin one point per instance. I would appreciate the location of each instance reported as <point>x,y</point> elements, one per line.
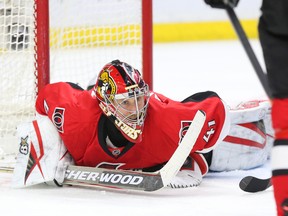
<point>253,184</point>
<point>133,180</point>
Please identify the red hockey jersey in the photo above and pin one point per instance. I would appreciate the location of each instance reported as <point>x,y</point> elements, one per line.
<point>80,123</point>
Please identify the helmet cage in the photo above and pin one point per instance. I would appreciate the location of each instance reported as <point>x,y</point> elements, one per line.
<point>134,113</point>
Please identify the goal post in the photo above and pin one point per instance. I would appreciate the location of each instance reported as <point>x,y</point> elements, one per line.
<point>47,41</point>
<point>42,48</point>
<point>147,41</point>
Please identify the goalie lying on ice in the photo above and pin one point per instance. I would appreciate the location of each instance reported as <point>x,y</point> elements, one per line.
<point>104,127</point>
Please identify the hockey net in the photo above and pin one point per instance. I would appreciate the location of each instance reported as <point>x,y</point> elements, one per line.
<point>84,35</point>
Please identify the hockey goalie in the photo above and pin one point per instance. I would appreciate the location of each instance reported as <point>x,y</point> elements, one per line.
<point>120,124</point>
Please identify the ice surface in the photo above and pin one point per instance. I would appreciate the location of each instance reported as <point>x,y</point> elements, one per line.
<point>180,70</point>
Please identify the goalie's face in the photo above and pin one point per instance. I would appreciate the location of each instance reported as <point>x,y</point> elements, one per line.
<point>131,109</point>
<point>124,98</point>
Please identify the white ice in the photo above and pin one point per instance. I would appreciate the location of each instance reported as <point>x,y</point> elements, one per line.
<point>180,70</point>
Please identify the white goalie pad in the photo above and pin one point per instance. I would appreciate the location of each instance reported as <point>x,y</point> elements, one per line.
<point>42,155</point>
<point>250,139</point>
<point>250,111</point>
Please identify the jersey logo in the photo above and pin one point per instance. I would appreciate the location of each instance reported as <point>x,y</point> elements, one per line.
<point>184,128</point>
<point>58,119</point>
<point>116,152</point>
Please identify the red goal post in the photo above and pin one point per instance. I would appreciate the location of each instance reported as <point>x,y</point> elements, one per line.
<point>46,41</point>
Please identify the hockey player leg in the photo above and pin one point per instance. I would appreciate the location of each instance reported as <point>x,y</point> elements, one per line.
<point>279,158</point>
<point>249,141</point>
<point>42,155</point>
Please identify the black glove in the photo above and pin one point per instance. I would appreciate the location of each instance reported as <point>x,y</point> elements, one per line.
<point>222,3</point>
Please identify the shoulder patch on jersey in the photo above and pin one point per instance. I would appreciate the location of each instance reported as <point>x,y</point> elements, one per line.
<point>184,128</point>
<point>58,119</point>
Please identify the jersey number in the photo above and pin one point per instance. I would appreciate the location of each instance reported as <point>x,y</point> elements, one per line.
<point>210,131</point>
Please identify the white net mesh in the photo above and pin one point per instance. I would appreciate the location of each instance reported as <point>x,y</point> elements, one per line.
<point>81,45</point>
<point>17,71</point>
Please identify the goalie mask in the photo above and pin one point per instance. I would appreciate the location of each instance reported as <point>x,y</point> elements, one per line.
<point>123,97</point>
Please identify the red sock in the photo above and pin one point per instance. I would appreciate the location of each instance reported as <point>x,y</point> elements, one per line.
<point>279,165</point>
<point>279,155</point>
<point>280,185</point>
